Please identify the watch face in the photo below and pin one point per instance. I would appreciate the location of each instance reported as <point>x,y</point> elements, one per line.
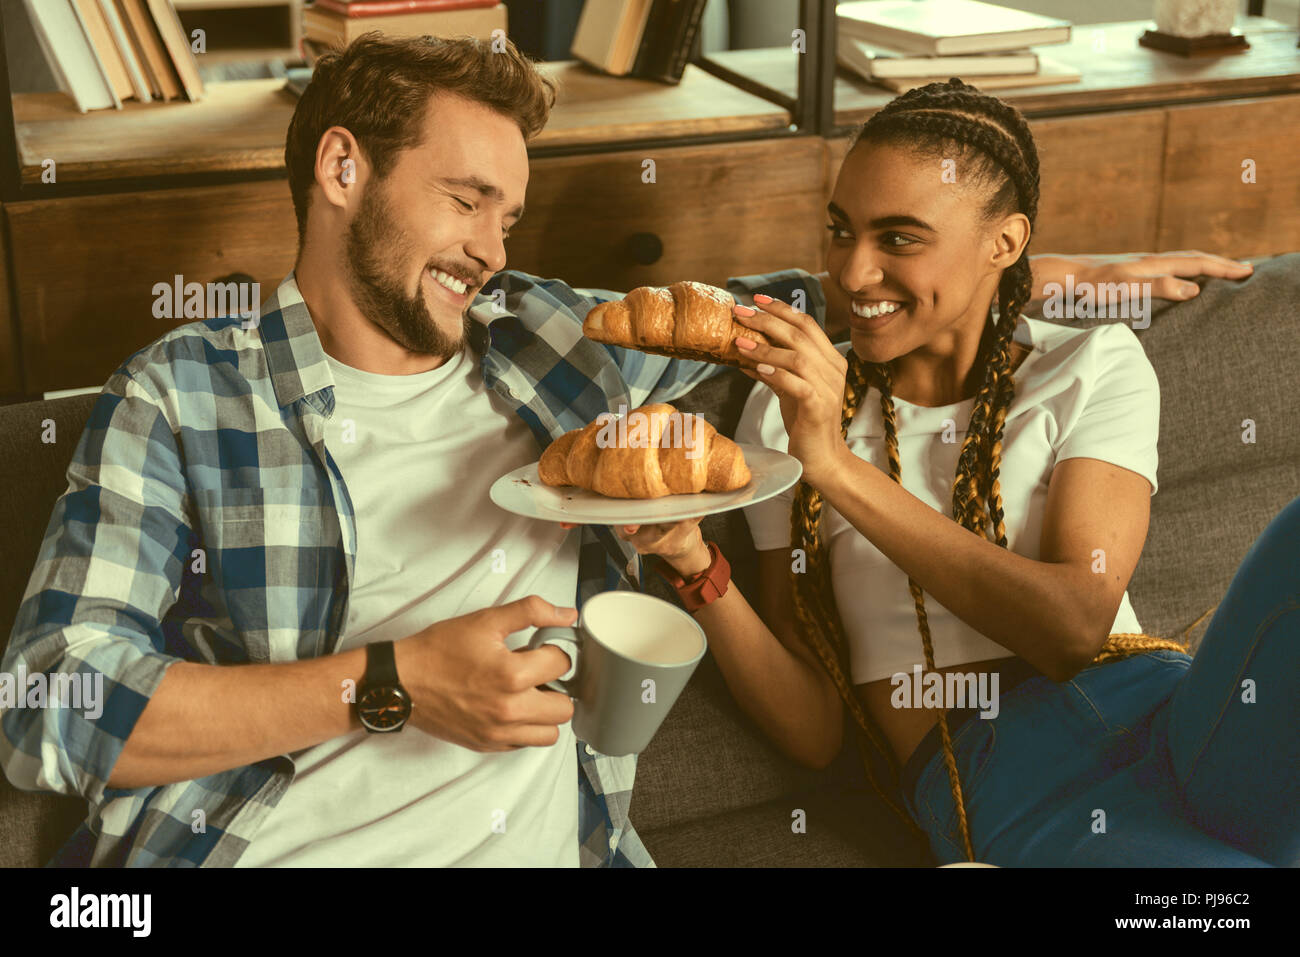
<point>384,709</point>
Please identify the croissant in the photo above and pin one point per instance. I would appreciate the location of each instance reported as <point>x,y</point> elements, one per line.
<point>687,320</point>
<point>651,452</point>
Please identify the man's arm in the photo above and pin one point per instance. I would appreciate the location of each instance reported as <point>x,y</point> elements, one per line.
<point>1169,274</point>
<point>109,569</point>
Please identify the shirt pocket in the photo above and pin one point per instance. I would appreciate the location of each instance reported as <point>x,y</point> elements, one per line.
<point>266,549</point>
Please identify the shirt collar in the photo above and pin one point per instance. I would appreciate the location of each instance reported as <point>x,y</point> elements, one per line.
<point>294,354</point>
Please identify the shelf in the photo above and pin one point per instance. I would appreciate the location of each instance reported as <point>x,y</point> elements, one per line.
<point>240,125</point>
<point>1124,75</point>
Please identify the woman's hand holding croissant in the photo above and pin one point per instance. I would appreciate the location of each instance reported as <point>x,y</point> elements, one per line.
<point>807,373</point>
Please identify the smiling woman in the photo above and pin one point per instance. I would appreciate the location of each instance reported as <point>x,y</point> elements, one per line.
<point>1023,512</point>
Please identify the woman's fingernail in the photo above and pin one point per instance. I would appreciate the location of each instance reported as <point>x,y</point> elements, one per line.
<point>1189,289</point>
<point>765,369</point>
<point>763,299</point>
<point>746,310</point>
<point>745,343</point>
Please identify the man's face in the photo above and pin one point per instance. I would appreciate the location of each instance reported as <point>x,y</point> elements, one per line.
<point>441,213</point>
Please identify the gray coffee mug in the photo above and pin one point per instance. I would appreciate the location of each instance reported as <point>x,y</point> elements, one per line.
<point>632,655</point>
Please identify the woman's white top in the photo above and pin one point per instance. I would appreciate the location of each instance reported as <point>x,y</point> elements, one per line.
<point>1081,393</point>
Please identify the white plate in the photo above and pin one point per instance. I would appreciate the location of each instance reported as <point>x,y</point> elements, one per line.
<point>523,493</point>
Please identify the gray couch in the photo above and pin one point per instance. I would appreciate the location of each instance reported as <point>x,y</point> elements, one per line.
<point>711,791</point>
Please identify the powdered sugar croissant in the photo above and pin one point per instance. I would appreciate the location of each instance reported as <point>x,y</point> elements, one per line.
<point>687,320</point>
<point>648,453</point>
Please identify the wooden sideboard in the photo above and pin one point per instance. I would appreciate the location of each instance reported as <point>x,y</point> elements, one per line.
<point>1150,162</point>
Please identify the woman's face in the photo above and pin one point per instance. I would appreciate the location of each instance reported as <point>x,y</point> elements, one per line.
<point>904,233</point>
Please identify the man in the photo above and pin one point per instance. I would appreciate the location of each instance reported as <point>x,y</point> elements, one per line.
<point>307,499</point>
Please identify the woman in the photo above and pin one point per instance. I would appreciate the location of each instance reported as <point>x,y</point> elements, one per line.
<point>1108,746</point>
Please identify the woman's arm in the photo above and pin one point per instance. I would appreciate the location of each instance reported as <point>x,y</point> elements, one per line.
<point>1054,611</point>
<point>773,676</point>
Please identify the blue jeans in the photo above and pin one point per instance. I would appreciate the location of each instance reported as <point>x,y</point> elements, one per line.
<point>1151,761</point>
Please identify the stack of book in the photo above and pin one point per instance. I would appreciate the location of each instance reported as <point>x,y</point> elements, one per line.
<point>901,44</point>
<point>649,39</point>
<point>328,24</point>
<point>105,51</point>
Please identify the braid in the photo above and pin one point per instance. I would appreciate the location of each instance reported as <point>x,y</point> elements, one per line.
<point>939,117</point>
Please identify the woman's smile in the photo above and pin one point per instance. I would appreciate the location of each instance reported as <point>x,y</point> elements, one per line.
<point>869,317</point>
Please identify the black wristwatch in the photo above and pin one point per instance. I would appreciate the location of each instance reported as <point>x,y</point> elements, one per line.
<point>383,705</point>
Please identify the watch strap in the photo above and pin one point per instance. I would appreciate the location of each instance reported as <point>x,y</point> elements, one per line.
<point>381,665</point>
<point>702,588</point>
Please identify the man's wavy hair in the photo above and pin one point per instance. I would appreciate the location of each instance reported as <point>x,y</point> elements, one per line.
<point>378,88</point>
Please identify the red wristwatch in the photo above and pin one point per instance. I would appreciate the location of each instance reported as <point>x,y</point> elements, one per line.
<point>704,587</point>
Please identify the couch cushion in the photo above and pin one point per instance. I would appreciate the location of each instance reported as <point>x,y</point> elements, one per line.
<point>837,834</point>
<point>33,474</point>
<point>1230,354</point>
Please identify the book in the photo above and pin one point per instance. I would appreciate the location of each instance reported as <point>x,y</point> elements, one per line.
<point>297,78</point>
<point>609,34</point>
<point>177,44</point>
<point>70,54</point>
<point>379,8</point>
<point>940,27</point>
<point>873,61</point>
<point>1049,72</point>
<point>158,63</point>
<point>335,29</point>
<point>667,40</point>
<point>95,25</point>
<point>134,71</point>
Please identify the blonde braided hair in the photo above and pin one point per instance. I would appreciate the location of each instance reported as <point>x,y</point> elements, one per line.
<point>951,117</point>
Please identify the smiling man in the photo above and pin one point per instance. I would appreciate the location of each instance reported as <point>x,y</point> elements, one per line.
<point>277,545</point>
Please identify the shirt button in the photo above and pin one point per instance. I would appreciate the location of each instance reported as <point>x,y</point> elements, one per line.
<point>589,749</point>
<point>514,394</point>
<point>613,841</point>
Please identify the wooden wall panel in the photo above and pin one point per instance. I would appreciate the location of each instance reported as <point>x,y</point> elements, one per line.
<point>11,387</point>
<point>719,211</point>
<point>86,266</point>
<point>1206,204</point>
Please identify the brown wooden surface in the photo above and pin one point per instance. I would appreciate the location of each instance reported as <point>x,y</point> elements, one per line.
<point>10,368</point>
<point>719,211</point>
<point>1205,203</point>
<point>241,125</point>
<point>1121,74</point>
<point>86,267</point>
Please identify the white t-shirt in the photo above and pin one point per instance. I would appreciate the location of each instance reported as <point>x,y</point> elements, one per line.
<point>418,454</point>
<point>1081,393</point>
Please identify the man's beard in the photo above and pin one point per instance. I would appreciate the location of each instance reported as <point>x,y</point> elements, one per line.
<point>374,244</point>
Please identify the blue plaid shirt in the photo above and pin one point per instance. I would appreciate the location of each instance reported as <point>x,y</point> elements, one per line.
<point>214,421</point>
